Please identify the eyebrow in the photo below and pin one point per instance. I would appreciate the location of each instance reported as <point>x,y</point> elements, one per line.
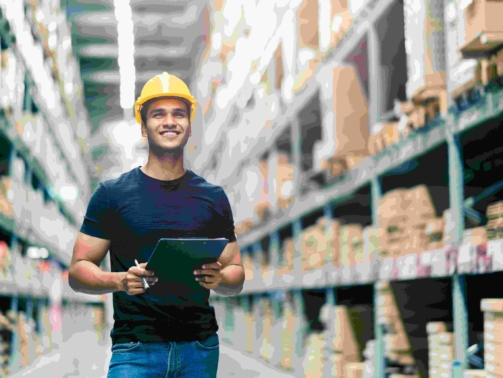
<point>162,110</point>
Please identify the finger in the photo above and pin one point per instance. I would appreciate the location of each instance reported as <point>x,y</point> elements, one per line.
<point>213,266</point>
<point>140,272</point>
<point>207,272</point>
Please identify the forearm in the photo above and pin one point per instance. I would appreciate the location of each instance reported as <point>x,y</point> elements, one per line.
<point>233,277</point>
<point>86,277</point>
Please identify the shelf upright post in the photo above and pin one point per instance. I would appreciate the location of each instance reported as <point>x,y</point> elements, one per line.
<point>380,362</point>
<point>229,319</point>
<point>456,193</point>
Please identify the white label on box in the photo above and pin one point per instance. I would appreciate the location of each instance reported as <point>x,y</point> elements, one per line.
<point>465,254</point>
<point>386,268</point>
<point>438,263</point>
<point>495,250</point>
<point>407,266</point>
<point>425,258</point>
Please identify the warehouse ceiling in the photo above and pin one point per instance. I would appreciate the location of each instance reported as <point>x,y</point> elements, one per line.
<point>168,34</point>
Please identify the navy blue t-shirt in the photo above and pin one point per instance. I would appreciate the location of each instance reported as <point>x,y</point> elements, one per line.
<point>134,211</point>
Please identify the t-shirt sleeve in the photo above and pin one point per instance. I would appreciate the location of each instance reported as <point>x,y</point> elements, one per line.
<point>98,219</point>
<point>228,230</point>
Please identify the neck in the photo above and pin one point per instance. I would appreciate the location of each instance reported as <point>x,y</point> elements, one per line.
<point>166,168</point>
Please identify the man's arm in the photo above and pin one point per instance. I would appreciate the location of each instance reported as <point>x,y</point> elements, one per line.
<point>87,277</point>
<point>233,273</point>
<point>85,274</point>
<point>226,276</point>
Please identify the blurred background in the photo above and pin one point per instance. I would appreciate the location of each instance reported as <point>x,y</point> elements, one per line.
<point>359,143</point>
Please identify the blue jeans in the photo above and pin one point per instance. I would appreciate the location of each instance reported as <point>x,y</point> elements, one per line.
<point>193,359</point>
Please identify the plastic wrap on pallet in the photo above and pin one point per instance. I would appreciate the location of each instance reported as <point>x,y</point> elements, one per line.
<point>425,45</point>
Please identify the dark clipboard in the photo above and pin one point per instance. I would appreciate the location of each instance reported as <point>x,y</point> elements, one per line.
<point>174,260</point>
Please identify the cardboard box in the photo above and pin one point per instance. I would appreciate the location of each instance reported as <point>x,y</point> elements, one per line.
<point>351,113</point>
<point>491,305</point>
<point>475,236</point>
<point>483,16</point>
<point>436,327</point>
<point>333,243</point>
<point>351,242</point>
<point>474,374</point>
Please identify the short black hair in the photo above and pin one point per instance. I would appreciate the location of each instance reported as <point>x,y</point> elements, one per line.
<point>143,111</point>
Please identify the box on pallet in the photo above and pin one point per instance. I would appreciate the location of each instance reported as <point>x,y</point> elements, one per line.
<point>440,349</point>
<point>474,374</point>
<point>313,360</point>
<point>345,342</point>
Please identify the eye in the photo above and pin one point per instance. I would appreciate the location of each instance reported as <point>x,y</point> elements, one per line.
<point>179,114</point>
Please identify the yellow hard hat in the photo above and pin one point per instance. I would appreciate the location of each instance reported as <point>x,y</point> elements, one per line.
<point>164,85</point>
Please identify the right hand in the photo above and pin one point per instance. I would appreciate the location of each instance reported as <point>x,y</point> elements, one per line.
<point>132,283</point>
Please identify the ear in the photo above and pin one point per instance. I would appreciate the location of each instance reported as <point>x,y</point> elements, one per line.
<point>190,130</point>
<point>143,130</point>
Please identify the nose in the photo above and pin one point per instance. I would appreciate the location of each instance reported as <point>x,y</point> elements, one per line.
<point>169,120</point>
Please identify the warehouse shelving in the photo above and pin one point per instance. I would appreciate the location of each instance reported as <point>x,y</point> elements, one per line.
<point>444,153</point>
<point>35,298</point>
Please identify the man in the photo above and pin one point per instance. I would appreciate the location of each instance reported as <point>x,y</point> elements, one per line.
<point>158,332</point>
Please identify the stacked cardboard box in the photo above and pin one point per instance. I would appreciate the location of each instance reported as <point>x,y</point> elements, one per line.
<point>308,41</point>
<point>483,25</point>
<point>266,347</point>
<point>351,133</point>
<point>280,176</point>
<point>263,206</point>
<point>403,219</point>
<point>6,328</point>
<point>288,252</point>
<point>340,21</point>
<point>313,247</point>
<point>493,336</point>
<point>345,343</point>
<point>441,350</point>
<point>6,197</point>
<point>355,370</point>
<point>313,360</point>
<point>287,335</point>
<point>333,255</point>
<point>476,236</point>
<point>495,223</point>
<point>369,359</point>
<point>396,342</point>
<point>351,246</point>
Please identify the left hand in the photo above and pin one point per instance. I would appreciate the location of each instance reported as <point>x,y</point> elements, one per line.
<point>210,276</point>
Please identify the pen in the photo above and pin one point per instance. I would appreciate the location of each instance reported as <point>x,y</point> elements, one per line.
<point>145,284</point>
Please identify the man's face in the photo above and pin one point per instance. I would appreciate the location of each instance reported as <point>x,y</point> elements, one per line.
<point>168,126</point>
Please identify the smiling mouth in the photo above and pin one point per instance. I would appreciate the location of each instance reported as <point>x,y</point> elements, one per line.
<point>170,133</point>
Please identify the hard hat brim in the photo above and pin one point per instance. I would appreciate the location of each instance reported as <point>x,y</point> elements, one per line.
<point>138,104</point>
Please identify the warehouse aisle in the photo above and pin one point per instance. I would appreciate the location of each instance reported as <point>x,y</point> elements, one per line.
<point>83,356</point>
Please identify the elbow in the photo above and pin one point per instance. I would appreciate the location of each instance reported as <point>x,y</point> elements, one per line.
<point>72,281</point>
